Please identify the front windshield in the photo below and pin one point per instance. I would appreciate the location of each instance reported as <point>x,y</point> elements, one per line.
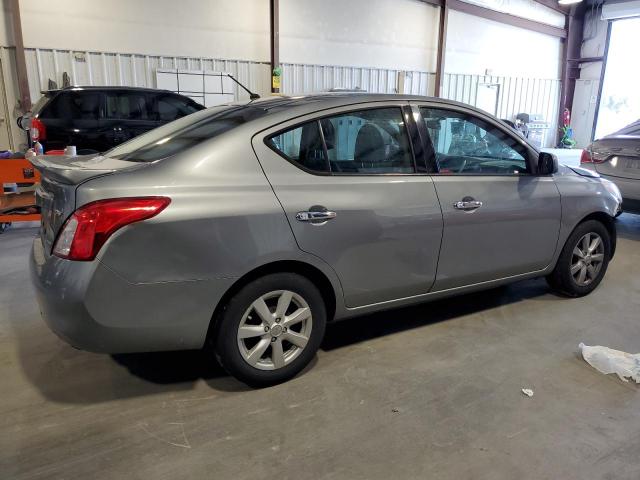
<point>185,133</point>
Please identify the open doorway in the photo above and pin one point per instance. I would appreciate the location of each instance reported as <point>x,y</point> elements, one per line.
<point>620,99</point>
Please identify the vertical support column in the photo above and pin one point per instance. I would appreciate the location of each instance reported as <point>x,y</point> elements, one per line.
<point>603,69</point>
<point>442,47</point>
<point>21,62</point>
<point>570,70</point>
<point>276,71</point>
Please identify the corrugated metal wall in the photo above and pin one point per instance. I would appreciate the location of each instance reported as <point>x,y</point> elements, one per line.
<point>301,78</point>
<point>516,94</point>
<point>530,95</point>
<point>102,68</point>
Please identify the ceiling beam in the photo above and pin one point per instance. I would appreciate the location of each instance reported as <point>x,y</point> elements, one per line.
<point>554,5</point>
<point>507,18</point>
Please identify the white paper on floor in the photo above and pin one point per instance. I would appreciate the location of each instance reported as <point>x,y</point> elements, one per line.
<point>606,360</point>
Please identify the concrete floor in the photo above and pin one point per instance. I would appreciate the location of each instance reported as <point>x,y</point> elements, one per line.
<point>428,392</point>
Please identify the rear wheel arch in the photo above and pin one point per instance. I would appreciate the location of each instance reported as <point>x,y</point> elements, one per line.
<point>313,274</point>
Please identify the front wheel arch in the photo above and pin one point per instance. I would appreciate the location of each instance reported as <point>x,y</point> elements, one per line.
<point>609,223</point>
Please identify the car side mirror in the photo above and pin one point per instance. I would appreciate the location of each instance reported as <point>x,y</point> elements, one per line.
<point>547,163</point>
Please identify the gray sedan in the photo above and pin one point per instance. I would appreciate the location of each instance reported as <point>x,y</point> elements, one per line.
<point>617,157</point>
<point>247,227</point>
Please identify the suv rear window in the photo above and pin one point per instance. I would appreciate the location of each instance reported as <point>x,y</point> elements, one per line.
<point>74,106</point>
<point>185,133</point>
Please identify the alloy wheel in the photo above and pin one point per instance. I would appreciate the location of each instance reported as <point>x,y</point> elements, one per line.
<point>274,330</point>
<point>587,259</point>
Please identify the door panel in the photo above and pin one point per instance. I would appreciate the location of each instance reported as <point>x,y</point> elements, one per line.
<point>499,219</point>
<point>515,231</point>
<point>385,237</point>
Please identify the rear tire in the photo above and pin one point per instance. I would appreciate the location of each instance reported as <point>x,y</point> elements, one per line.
<point>271,329</point>
<point>583,261</point>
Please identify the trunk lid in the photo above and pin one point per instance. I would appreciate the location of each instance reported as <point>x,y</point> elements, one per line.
<point>61,176</point>
<point>620,156</point>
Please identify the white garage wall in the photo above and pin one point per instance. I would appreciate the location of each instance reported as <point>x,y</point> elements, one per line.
<point>361,33</point>
<point>196,28</point>
<point>378,45</point>
<point>476,44</point>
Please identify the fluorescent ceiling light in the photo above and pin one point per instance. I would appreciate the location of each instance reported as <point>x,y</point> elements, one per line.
<point>568,2</point>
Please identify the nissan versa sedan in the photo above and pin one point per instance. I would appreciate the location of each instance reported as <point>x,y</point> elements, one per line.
<point>617,157</point>
<point>247,227</point>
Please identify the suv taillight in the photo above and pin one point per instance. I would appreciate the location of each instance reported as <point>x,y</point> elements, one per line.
<point>38,130</point>
<point>84,233</point>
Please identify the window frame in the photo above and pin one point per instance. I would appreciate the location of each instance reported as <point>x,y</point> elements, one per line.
<point>432,163</point>
<point>412,136</point>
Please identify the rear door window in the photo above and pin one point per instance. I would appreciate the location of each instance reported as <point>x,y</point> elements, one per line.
<point>364,142</point>
<point>128,106</point>
<point>368,142</point>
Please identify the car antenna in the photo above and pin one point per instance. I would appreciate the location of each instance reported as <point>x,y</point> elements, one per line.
<point>252,96</point>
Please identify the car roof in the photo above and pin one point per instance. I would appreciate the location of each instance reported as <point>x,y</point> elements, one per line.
<point>74,88</point>
<point>293,106</point>
<point>276,109</point>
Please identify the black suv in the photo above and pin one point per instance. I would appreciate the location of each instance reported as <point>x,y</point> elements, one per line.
<point>99,118</point>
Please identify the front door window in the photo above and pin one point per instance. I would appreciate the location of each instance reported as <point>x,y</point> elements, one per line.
<point>467,145</point>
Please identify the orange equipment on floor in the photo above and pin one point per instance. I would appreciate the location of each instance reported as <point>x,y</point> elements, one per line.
<point>20,206</point>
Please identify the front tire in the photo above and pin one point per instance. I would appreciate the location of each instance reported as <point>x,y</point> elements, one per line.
<point>271,329</point>
<point>583,261</point>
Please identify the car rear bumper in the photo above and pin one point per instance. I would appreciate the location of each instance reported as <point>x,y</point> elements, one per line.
<point>92,308</point>
<point>630,190</point>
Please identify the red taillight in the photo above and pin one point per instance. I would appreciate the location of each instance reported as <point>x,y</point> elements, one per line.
<point>84,233</point>
<point>585,157</point>
<point>38,130</point>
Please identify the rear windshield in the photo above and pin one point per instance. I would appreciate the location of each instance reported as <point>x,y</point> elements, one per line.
<point>185,133</point>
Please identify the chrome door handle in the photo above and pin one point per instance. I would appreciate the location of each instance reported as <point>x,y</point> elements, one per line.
<point>315,216</point>
<point>467,205</point>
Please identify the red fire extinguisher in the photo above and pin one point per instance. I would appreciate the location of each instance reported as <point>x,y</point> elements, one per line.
<point>566,117</point>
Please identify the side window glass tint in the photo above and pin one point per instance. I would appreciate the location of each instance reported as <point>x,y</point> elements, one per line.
<point>465,144</point>
<point>127,105</point>
<point>368,142</point>
<point>302,146</point>
<point>74,106</point>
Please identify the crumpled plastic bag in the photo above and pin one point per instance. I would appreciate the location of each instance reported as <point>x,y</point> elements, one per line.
<point>606,360</point>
